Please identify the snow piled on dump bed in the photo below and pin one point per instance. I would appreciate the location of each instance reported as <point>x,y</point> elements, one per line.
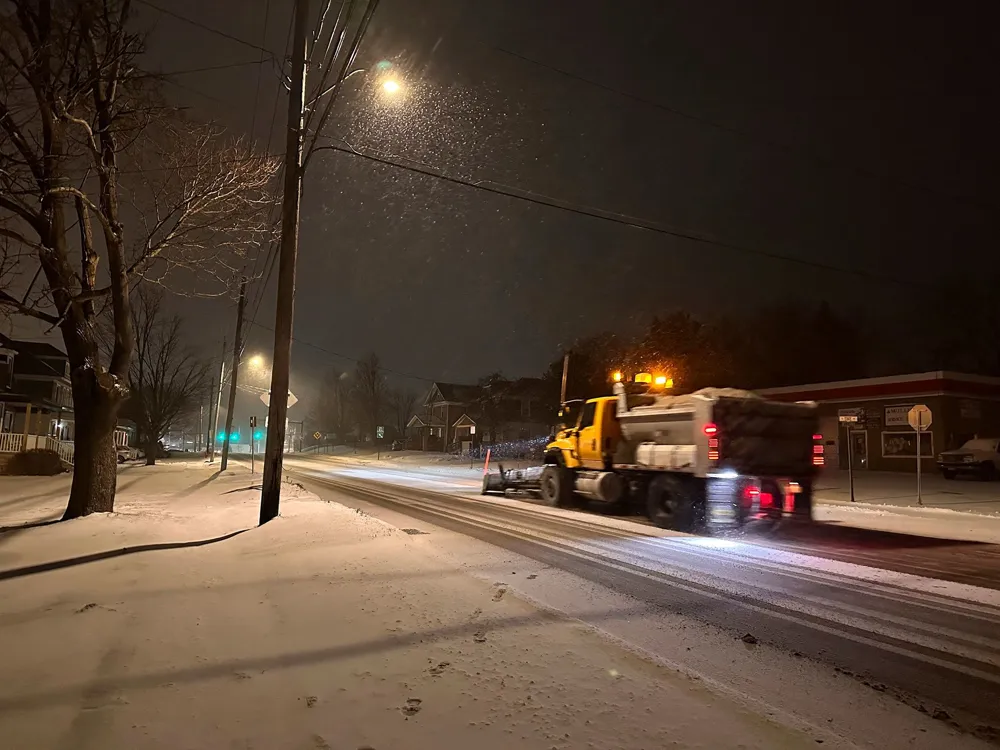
<point>176,623</point>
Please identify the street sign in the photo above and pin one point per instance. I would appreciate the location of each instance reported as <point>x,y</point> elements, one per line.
<point>849,418</point>
<point>266,398</point>
<point>919,417</point>
<point>317,435</point>
<point>380,432</point>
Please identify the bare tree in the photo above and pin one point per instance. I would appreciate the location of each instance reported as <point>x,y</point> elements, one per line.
<point>401,405</point>
<point>332,413</point>
<point>167,380</point>
<point>369,393</point>
<point>491,404</point>
<point>79,149</point>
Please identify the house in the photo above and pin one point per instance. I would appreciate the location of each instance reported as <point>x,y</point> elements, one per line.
<point>459,417</point>
<point>432,427</point>
<point>879,437</point>
<point>36,400</point>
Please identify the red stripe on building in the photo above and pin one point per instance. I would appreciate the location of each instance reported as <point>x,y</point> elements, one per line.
<point>947,386</point>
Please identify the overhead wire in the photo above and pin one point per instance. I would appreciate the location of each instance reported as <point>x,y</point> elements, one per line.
<point>205,27</point>
<point>253,122</point>
<point>605,215</point>
<point>272,254</point>
<point>329,61</point>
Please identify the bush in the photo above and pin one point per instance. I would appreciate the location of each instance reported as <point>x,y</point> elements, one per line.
<point>38,462</point>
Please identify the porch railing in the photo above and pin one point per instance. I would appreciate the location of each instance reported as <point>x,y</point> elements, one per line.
<point>11,442</point>
<point>14,442</point>
<point>63,447</point>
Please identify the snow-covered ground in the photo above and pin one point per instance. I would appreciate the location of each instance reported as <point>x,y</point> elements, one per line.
<point>960,510</point>
<point>175,623</point>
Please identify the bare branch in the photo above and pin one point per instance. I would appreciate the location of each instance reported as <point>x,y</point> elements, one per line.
<point>10,302</point>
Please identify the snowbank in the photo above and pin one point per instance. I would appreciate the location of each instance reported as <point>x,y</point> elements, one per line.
<point>175,623</point>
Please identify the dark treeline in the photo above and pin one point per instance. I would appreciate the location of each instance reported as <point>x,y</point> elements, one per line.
<point>955,326</point>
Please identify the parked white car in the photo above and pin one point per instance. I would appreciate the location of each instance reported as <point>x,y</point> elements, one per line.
<point>979,456</point>
<point>126,454</point>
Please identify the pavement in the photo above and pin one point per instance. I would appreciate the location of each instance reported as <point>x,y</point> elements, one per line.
<point>911,617</point>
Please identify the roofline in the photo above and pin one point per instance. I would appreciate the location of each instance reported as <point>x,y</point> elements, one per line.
<point>890,380</point>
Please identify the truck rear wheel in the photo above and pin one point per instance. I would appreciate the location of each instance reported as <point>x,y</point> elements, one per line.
<point>670,504</point>
<point>557,486</point>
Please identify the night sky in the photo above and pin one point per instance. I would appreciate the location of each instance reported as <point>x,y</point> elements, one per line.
<point>859,135</point>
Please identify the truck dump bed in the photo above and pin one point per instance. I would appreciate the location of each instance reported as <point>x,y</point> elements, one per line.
<point>766,438</point>
<point>755,436</point>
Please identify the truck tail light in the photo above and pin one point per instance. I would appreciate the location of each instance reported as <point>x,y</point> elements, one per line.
<point>712,433</point>
<point>818,458</point>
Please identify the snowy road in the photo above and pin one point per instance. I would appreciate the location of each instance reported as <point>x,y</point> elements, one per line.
<point>931,643</point>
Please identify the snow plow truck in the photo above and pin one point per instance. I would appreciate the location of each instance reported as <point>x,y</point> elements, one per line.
<point>715,459</point>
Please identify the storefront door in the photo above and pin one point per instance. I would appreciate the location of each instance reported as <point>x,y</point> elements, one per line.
<point>859,449</point>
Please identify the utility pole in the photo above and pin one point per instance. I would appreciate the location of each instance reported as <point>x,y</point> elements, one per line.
<point>217,398</point>
<point>270,495</point>
<point>234,374</point>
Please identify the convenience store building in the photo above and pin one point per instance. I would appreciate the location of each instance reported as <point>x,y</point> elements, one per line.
<point>962,407</point>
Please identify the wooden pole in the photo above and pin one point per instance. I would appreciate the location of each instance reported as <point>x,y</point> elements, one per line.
<point>270,495</point>
<point>234,374</point>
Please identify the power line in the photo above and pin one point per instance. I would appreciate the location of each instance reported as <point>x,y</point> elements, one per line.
<point>610,216</point>
<point>825,162</point>
<point>273,248</point>
<point>253,122</point>
<point>205,69</point>
<point>256,95</point>
<point>207,28</point>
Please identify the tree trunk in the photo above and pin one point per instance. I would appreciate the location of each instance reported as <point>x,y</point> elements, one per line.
<point>151,446</point>
<point>95,460</point>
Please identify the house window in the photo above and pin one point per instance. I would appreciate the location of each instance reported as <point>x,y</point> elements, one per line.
<point>6,370</point>
<point>472,430</point>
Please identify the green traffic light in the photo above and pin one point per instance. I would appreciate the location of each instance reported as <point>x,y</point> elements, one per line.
<point>234,437</point>
<point>258,435</point>
<point>221,436</point>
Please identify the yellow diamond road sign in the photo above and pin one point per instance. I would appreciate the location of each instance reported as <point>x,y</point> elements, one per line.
<point>317,434</point>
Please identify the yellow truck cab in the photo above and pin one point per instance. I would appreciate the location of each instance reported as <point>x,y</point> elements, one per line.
<point>591,443</point>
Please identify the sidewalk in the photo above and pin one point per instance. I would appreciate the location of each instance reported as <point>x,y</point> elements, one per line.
<point>899,490</point>
<point>323,629</point>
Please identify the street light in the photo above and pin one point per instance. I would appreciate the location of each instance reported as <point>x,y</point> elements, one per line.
<point>391,86</point>
<point>256,361</point>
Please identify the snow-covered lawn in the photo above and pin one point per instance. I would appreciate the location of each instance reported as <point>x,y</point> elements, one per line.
<point>176,623</point>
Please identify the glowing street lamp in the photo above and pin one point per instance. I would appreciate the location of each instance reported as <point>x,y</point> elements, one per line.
<point>391,86</point>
